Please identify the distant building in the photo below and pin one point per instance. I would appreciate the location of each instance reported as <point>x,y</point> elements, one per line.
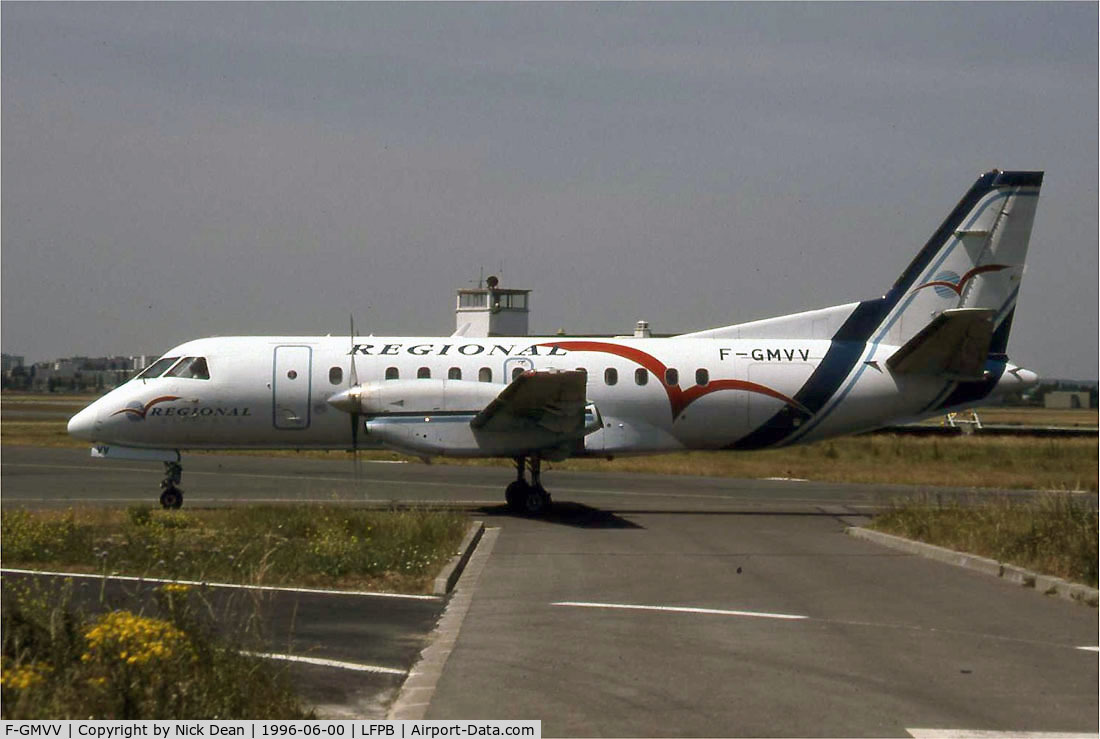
<point>78,374</point>
<point>11,362</point>
<point>1063,399</point>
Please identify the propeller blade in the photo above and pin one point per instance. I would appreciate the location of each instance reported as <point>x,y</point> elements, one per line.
<point>353,376</point>
<point>353,381</point>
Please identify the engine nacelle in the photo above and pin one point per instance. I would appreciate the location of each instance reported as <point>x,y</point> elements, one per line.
<point>432,417</point>
<point>404,397</point>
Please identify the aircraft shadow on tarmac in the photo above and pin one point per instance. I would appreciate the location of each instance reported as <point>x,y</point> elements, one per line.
<point>570,514</point>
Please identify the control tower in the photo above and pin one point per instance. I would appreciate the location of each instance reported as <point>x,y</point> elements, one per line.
<point>491,310</point>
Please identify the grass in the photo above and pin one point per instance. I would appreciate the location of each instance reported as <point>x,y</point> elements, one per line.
<point>1054,535</point>
<point>38,433</point>
<point>1020,416</point>
<point>174,660</point>
<point>316,545</point>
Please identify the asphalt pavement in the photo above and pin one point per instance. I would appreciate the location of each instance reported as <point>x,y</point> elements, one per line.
<point>660,606</point>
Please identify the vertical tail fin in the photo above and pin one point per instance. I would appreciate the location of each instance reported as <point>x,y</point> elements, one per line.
<point>974,260</point>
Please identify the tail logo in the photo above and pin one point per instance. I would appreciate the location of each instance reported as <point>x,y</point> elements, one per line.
<point>949,283</point>
<point>136,411</point>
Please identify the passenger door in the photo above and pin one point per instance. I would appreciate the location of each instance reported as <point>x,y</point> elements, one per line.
<point>515,366</point>
<point>290,387</point>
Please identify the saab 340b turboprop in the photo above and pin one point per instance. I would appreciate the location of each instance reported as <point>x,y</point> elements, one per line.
<point>934,342</point>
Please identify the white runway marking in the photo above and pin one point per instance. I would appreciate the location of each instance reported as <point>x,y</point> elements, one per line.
<point>327,663</point>
<point>197,583</point>
<point>193,499</point>
<point>785,479</point>
<point>251,475</point>
<point>1090,649</point>
<point>683,609</point>
<point>980,734</point>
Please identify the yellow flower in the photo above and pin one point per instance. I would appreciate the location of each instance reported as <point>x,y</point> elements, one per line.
<point>24,676</point>
<point>134,639</point>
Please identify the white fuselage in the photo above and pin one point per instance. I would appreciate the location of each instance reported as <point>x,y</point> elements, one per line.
<point>652,394</point>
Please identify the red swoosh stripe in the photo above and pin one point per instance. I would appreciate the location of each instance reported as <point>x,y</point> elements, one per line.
<point>678,399</point>
<point>958,288</point>
<point>141,413</point>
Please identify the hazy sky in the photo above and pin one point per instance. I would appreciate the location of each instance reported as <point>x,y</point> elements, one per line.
<point>172,171</point>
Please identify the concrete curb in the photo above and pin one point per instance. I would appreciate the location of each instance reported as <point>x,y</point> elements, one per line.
<point>416,693</point>
<point>1045,584</point>
<point>451,572</point>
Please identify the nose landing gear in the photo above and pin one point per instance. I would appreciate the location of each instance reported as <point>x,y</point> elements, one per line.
<point>171,496</point>
<point>528,498</point>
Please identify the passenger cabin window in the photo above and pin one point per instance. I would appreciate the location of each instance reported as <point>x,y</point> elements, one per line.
<point>672,376</point>
<point>336,375</point>
<point>392,373</point>
<point>516,372</point>
<point>641,376</point>
<point>156,369</point>
<point>610,376</point>
<point>454,373</point>
<point>484,375</point>
<point>190,368</point>
<point>702,377</point>
<point>424,373</point>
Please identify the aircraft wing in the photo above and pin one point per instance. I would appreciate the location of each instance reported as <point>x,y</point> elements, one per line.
<point>553,401</point>
<point>954,345</point>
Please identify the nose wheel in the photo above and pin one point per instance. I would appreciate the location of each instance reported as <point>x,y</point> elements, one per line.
<point>171,496</point>
<point>528,498</point>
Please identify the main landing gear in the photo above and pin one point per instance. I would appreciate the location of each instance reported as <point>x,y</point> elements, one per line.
<point>171,496</point>
<point>528,498</point>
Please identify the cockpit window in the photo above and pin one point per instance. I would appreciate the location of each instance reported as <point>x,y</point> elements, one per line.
<point>156,369</point>
<point>193,368</point>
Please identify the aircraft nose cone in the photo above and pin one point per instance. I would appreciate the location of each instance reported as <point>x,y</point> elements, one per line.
<point>83,424</point>
<point>346,400</point>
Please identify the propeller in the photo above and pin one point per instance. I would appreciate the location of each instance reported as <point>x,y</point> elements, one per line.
<point>353,382</point>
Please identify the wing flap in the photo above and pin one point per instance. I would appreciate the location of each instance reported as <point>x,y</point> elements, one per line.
<point>954,345</point>
<point>554,401</point>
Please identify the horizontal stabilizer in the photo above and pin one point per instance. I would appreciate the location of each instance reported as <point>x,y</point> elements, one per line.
<point>954,345</point>
<point>554,401</point>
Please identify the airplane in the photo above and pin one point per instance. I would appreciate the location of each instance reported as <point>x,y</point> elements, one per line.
<point>935,342</point>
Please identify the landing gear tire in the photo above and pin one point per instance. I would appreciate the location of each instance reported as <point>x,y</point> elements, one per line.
<point>527,498</point>
<point>516,495</point>
<point>536,502</point>
<point>171,498</point>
